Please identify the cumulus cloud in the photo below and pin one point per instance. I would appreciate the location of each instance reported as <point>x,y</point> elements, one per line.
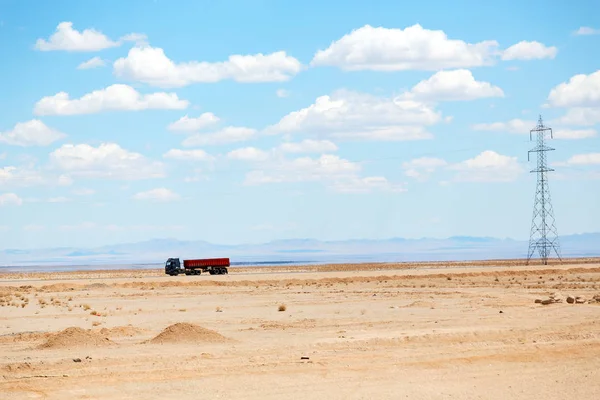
<point>304,169</point>
<point>586,30</point>
<point>187,124</point>
<point>488,166</point>
<point>525,50</point>
<point>358,116</point>
<point>582,116</point>
<point>188,155</point>
<point>453,85</point>
<point>412,48</point>
<point>524,127</point>
<point>116,97</point>
<point>580,91</point>
<point>7,199</point>
<point>150,65</point>
<point>28,175</point>
<point>66,38</point>
<point>161,195</point>
<point>94,62</point>
<point>31,133</point>
<point>582,159</point>
<point>248,154</point>
<point>107,161</point>
<point>227,135</point>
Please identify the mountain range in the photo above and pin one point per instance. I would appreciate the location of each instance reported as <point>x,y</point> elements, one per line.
<point>156,251</point>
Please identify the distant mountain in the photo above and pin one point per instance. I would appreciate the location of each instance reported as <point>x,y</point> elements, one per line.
<point>156,251</point>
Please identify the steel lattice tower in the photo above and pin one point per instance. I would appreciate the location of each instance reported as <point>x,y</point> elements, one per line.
<point>543,237</point>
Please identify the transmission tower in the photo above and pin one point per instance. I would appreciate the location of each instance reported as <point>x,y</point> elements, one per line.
<point>543,237</point>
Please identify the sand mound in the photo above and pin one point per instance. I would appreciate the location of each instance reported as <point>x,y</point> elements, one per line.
<point>188,333</point>
<point>76,337</point>
<point>24,337</point>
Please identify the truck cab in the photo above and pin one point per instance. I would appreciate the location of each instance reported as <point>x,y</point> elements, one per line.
<point>173,266</point>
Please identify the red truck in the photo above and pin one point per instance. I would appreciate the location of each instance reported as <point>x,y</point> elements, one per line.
<point>214,266</point>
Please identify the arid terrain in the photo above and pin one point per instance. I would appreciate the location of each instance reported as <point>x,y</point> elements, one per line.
<point>373,331</point>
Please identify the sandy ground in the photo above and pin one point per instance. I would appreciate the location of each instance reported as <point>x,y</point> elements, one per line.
<point>377,331</point>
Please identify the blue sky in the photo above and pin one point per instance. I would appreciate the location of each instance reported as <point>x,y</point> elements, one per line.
<point>250,121</point>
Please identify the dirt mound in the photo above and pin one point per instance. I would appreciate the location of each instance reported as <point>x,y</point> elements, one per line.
<point>76,337</point>
<point>23,337</point>
<point>188,333</point>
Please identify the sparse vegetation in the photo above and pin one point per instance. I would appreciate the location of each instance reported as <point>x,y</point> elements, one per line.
<point>282,307</point>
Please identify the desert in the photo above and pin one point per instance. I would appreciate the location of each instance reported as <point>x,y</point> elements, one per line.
<point>464,330</point>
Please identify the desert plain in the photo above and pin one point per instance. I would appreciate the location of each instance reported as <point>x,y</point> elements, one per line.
<point>462,330</point>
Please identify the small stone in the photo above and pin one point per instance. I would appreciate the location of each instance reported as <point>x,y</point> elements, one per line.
<point>570,299</point>
<point>77,360</point>
<point>546,302</point>
<point>500,312</point>
<point>537,301</point>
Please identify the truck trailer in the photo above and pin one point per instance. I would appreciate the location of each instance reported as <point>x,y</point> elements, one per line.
<point>214,266</point>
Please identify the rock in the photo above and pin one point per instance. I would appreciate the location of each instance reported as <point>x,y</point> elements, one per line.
<point>546,302</point>
<point>570,299</point>
<point>77,360</point>
<point>580,300</point>
<point>537,301</point>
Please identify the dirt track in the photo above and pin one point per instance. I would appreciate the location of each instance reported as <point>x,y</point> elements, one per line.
<point>378,331</point>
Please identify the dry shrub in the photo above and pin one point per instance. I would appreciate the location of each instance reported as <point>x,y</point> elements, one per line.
<point>282,307</point>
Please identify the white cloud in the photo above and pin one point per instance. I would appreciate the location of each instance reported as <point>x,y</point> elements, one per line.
<point>26,176</point>
<point>31,133</point>
<point>584,159</point>
<point>304,169</point>
<point>309,146</point>
<point>66,38</point>
<point>580,91</point>
<point>229,134</point>
<point>412,48</point>
<point>150,65</point>
<point>366,185</point>
<point>524,127</point>
<point>114,97</point>
<point>488,166</point>
<point>7,199</point>
<point>282,93</point>
<point>583,116</point>
<point>187,124</point>
<point>358,116</point>
<point>421,168</point>
<point>188,155</point>
<point>452,86</point>
<point>94,62</point>
<point>563,133</point>
<point>586,30</point>
<point>513,126</point>
<point>108,161</point>
<point>525,50</point>
<point>157,195</point>
<point>248,154</point>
